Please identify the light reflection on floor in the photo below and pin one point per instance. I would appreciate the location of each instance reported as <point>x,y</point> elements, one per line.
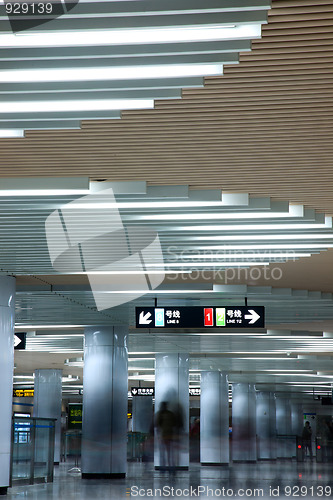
<point>261,480</point>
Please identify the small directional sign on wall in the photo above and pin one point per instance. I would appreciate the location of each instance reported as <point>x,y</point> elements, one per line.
<point>19,340</point>
<point>201,317</point>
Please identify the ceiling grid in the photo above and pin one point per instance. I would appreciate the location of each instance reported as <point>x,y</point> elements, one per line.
<point>275,106</point>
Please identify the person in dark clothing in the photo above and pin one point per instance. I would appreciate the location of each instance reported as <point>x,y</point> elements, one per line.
<point>306,438</point>
<point>166,424</point>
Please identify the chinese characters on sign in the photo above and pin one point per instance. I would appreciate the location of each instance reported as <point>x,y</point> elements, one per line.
<point>142,391</point>
<point>173,316</point>
<point>194,391</point>
<point>23,393</point>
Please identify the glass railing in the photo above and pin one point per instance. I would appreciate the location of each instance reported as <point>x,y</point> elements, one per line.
<point>32,450</point>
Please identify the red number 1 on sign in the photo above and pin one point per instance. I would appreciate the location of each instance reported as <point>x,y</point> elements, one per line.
<point>208,316</point>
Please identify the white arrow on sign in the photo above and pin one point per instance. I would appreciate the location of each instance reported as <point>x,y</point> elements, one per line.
<point>17,340</point>
<point>253,316</point>
<point>144,318</point>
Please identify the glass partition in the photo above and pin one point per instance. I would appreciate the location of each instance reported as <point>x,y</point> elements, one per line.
<point>32,450</point>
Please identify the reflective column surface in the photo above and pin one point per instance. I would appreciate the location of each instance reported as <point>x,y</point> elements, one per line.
<point>285,440</point>
<point>47,403</point>
<point>262,479</point>
<point>142,413</point>
<point>244,446</point>
<point>266,425</point>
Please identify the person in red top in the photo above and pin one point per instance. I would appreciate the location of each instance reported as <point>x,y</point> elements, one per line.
<point>166,423</point>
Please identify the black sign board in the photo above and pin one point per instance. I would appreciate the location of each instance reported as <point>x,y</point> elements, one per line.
<point>19,340</point>
<point>142,391</point>
<point>201,317</point>
<point>23,393</point>
<point>75,416</point>
<point>194,391</point>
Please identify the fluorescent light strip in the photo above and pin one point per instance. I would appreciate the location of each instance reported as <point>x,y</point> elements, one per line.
<point>76,105</point>
<point>24,384</point>
<point>151,353</point>
<point>295,374</point>
<point>130,369</point>
<point>130,272</point>
<point>298,246</point>
<point>55,351</point>
<point>141,359</point>
<point>307,385</point>
<point>45,327</point>
<point>286,371</point>
<point>237,237</point>
<point>211,264</point>
<point>243,255</point>
<point>226,334</point>
<point>148,378</point>
<point>129,37</point>
<point>144,204</point>
<point>109,73</point>
<point>156,291</point>
<point>251,227</point>
<point>267,358</point>
<point>13,132</point>
<point>41,192</point>
<point>42,338</point>
<point>222,215</point>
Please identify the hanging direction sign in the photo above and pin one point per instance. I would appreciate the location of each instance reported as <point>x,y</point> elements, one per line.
<point>23,393</point>
<point>75,416</point>
<point>194,391</point>
<point>201,317</point>
<point>142,391</point>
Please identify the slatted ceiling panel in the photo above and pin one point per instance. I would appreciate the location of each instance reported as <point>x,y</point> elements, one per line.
<point>265,126</point>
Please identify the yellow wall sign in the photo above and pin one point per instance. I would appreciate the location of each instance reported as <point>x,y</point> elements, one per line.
<point>21,393</point>
<point>75,416</point>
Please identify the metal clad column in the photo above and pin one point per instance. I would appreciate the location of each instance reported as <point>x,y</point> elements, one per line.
<point>266,425</point>
<point>283,428</point>
<point>244,446</point>
<point>142,413</point>
<point>214,418</point>
<point>47,402</point>
<point>7,312</point>
<point>104,424</point>
<point>172,386</point>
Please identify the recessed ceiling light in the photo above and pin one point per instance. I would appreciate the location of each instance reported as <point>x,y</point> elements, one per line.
<point>74,105</point>
<point>11,133</point>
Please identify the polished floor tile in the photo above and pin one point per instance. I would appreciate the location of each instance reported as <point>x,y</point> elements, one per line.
<point>263,479</point>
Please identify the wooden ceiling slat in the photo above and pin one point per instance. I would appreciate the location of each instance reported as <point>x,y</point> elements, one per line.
<point>278,4</point>
<point>264,127</point>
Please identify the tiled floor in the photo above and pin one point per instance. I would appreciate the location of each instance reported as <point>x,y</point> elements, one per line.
<point>263,480</point>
